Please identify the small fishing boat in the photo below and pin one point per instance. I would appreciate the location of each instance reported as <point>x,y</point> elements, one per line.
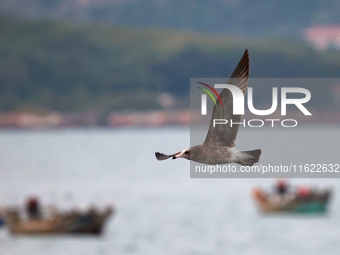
<point>87,222</point>
<point>316,202</point>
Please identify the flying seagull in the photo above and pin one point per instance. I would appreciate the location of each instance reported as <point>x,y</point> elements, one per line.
<point>219,145</point>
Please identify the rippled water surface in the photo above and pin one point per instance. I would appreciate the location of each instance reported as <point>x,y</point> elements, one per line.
<point>160,210</point>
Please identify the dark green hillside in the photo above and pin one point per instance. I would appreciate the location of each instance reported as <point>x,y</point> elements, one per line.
<point>257,19</point>
<point>67,67</point>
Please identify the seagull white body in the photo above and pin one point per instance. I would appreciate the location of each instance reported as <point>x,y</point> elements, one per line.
<point>219,145</point>
<point>208,155</point>
<point>214,155</point>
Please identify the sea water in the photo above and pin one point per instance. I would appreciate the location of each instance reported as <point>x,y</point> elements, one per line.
<point>160,209</point>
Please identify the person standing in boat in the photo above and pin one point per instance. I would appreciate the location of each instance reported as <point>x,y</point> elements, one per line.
<point>33,208</point>
<point>304,192</point>
<point>281,187</point>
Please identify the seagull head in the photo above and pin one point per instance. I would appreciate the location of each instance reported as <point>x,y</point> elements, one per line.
<point>183,154</point>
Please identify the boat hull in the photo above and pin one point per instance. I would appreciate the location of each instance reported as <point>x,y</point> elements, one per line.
<point>315,204</point>
<point>91,223</point>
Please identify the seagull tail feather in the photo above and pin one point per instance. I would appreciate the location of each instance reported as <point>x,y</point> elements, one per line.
<point>249,158</point>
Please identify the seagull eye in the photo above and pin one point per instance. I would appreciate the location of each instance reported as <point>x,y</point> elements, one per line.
<point>187,152</point>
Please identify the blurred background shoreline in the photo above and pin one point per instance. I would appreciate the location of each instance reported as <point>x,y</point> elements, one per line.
<point>56,73</point>
<point>56,120</point>
<point>91,89</point>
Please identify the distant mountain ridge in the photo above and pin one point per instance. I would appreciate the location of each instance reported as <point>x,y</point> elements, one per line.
<point>67,67</point>
<point>245,18</point>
